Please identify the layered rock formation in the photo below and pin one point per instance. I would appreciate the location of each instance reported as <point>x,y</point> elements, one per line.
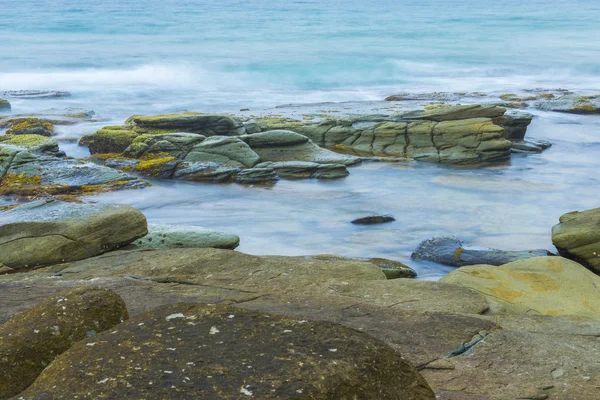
<point>577,236</point>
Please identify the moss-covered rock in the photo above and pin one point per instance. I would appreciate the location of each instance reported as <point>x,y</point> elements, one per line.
<point>35,143</point>
<point>30,126</point>
<point>48,231</point>
<point>573,103</point>
<point>577,236</point>
<point>191,350</point>
<point>33,339</point>
<point>4,105</point>
<point>110,139</point>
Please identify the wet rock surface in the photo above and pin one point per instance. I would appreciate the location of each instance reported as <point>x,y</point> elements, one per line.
<point>50,231</point>
<point>225,352</point>
<point>574,104</point>
<point>162,236</point>
<point>450,251</point>
<point>30,341</point>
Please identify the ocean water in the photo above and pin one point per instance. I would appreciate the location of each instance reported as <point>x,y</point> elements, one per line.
<point>145,57</point>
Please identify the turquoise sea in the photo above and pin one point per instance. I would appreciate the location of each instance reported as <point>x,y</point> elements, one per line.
<point>121,58</point>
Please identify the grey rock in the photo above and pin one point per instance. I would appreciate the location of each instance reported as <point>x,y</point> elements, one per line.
<point>35,94</point>
<point>256,175</point>
<point>161,236</point>
<point>573,103</point>
<point>374,219</point>
<point>305,169</point>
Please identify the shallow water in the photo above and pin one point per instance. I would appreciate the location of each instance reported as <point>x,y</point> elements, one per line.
<point>124,58</point>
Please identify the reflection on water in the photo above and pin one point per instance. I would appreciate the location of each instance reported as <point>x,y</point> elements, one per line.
<point>511,206</point>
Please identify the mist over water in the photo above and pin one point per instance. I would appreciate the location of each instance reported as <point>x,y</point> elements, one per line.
<point>146,57</point>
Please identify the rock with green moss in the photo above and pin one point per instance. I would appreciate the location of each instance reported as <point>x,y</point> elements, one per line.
<point>47,232</point>
<point>28,174</point>
<point>4,105</point>
<point>174,236</point>
<point>31,340</point>
<point>573,103</point>
<point>30,126</point>
<point>35,143</point>
<point>204,124</point>
<point>305,170</point>
<point>187,350</point>
<point>577,236</point>
<point>110,139</point>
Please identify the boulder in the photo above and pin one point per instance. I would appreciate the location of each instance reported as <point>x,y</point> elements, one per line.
<point>373,219</point>
<point>33,339</point>
<point>190,350</point>
<point>573,103</point>
<point>173,236</point>
<point>256,176</point>
<point>28,173</point>
<point>577,236</point>
<point>305,169</point>
<point>282,145</point>
<point>4,105</point>
<point>450,251</point>
<point>37,144</point>
<point>543,285</point>
<point>30,126</point>
<point>50,231</point>
<point>515,124</point>
<point>204,124</point>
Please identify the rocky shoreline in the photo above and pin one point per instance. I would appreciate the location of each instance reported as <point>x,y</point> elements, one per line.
<point>97,302</point>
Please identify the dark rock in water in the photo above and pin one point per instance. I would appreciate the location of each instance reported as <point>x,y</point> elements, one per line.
<point>577,237</point>
<point>33,339</point>
<point>515,124</point>
<point>49,231</point>
<point>529,146</point>
<point>4,105</point>
<point>187,350</point>
<point>450,251</point>
<point>35,94</point>
<point>374,219</point>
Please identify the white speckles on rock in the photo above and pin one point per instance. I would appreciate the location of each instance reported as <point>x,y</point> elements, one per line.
<point>174,316</point>
<point>333,350</point>
<point>245,391</point>
<point>213,330</point>
<point>103,381</point>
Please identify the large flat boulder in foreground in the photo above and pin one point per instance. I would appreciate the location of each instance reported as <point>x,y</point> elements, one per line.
<point>31,340</point>
<point>162,236</point>
<point>577,236</point>
<point>543,285</point>
<point>50,231</point>
<point>189,350</point>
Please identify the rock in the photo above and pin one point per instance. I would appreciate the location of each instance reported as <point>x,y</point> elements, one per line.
<point>458,112</point>
<point>573,103</point>
<point>282,145</point>
<point>173,236</point>
<point>49,231</point>
<point>529,146</point>
<point>543,285</point>
<point>305,169</point>
<point>35,143</point>
<point>33,339</point>
<point>577,236</point>
<point>110,139</point>
<point>515,124</point>
<point>374,219</point>
<point>204,124</point>
<point>25,173</point>
<point>256,176</point>
<point>30,126</point>
<point>35,94</point>
<point>4,105</point>
<point>391,268</point>
<point>280,357</point>
<point>450,251</point>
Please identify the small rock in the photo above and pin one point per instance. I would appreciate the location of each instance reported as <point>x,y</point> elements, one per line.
<point>374,219</point>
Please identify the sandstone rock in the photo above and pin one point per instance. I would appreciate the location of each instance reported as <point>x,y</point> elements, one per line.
<point>305,169</point>
<point>450,251</point>
<point>544,285</point>
<point>391,268</point>
<point>30,126</point>
<point>49,231</point>
<point>174,236</point>
<point>573,103</point>
<point>458,112</point>
<point>515,124</point>
<point>242,353</point>
<point>577,236</point>
<point>25,173</point>
<point>31,340</point>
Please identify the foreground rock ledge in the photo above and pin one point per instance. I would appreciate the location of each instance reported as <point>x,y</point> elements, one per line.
<point>31,340</point>
<point>578,237</point>
<point>223,352</point>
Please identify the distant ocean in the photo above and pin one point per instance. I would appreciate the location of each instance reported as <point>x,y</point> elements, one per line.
<point>134,56</point>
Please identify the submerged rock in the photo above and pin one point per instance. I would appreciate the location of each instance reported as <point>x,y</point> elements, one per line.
<point>543,285</point>
<point>49,231</point>
<point>374,219</point>
<point>573,103</point>
<point>25,173</point>
<point>450,251</point>
<point>33,339</point>
<point>35,94</point>
<point>191,350</point>
<point>174,236</point>
<point>577,236</point>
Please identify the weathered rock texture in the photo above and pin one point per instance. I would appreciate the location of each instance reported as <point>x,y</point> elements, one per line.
<point>573,103</point>
<point>31,340</point>
<point>191,350</point>
<point>173,236</point>
<point>577,236</point>
<point>49,231</point>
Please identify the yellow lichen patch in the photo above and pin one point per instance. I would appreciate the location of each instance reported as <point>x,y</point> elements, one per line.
<point>21,179</point>
<point>273,121</point>
<point>537,282</point>
<point>107,156</point>
<point>503,291</point>
<point>26,124</point>
<point>26,141</point>
<point>151,164</point>
<point>555,265</point>
<point>457,253</point>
